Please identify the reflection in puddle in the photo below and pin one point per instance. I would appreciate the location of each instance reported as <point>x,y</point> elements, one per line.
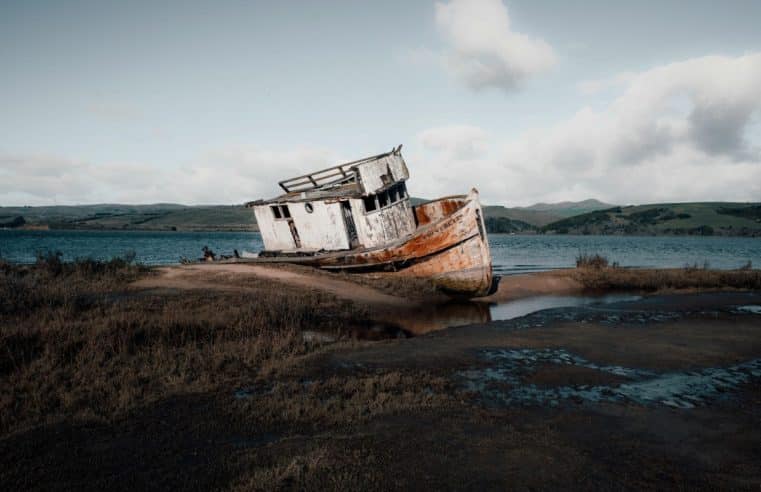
<point>425,319</point>
<point>503,382</point>
<point>522,307</point>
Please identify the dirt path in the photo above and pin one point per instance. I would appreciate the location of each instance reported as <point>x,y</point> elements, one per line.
<point>231,277</point>
<point>227,277</point>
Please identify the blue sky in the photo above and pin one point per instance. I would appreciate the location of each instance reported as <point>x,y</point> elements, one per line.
<point>213,102</point>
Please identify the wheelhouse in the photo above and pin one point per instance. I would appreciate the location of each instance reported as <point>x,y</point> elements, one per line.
<point>359,204</point>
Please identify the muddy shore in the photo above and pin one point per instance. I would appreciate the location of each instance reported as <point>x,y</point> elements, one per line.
<point>653,392</point>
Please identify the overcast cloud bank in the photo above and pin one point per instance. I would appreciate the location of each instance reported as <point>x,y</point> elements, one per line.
<point>682,131</point>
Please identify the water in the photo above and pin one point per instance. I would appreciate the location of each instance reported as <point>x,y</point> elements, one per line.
<point>520,254</point>
<point>151,248</point>
<point>511,253</point>
<point>434,317</point>
<point>522,307</point>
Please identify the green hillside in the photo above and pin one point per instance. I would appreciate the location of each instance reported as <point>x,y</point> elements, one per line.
<point>569,209</point>
<point>703,218</point>
<point>158,217</point>
<point>535,218</point>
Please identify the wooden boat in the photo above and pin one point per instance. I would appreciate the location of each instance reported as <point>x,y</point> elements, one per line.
<point>358,217</point>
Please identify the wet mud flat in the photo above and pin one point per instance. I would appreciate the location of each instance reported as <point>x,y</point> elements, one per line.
<point>661,391</point>
<point>657,392</point>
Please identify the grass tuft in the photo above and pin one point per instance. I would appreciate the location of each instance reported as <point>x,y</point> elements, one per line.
<point>588,260</point>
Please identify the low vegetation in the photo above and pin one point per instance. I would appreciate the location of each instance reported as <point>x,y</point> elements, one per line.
<point>596,273</point>
<point>587,260</point>
<point>751,212</point>
<point>103,385</point>
<point>77,343</point>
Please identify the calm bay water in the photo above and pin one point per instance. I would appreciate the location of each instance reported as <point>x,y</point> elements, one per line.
<point>512,254</point>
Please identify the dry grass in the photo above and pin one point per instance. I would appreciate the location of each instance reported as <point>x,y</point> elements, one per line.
<point>76,343</point>
<point>587,260</point>
<point>594,273</point>
<point>415,288</point>
<point>81,349</point>
<point>330,410</point>
<point>338,400</point>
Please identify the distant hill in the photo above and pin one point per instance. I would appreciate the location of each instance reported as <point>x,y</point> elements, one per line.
<point>536,218</point>
<point>569,209</point>
<point>156,217</point>
<point>720,218</point>
<point>703,218</point>
<point>530,218</point>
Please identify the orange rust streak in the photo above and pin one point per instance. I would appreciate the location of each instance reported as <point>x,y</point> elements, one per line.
<point>421,215</point>
<point>437,210</point>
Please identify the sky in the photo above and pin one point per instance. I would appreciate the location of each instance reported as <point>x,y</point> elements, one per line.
<point>213,102</point>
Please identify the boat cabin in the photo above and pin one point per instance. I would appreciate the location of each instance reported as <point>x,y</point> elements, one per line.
<point>359,204</point>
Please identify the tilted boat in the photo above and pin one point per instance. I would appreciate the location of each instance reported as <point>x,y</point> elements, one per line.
<point>358,217</point>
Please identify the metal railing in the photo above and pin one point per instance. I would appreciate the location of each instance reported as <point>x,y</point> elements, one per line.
<point>342,173</point>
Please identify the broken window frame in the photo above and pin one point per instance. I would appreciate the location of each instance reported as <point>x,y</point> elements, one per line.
<point>394,194</point>
<point>370,199</point>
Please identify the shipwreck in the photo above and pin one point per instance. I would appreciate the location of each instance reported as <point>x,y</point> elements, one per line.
<point>358,217</point>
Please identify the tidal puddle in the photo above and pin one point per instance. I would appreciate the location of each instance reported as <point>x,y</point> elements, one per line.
<point>504,382</point>
<point>752,309</point>
<point>522,307</point>
<point>435,317</point>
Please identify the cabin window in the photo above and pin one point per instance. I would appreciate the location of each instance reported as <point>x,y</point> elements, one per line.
<point>393,194</point>
<point>369,202</point>
<point>308,207</point>
<point>281,211</point>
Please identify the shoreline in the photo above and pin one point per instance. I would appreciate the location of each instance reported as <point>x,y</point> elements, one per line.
<point>198,376</point>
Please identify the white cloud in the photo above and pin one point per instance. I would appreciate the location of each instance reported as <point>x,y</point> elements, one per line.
<point>224,176</point>
<point>483,50</point>
<point>677,132</point>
